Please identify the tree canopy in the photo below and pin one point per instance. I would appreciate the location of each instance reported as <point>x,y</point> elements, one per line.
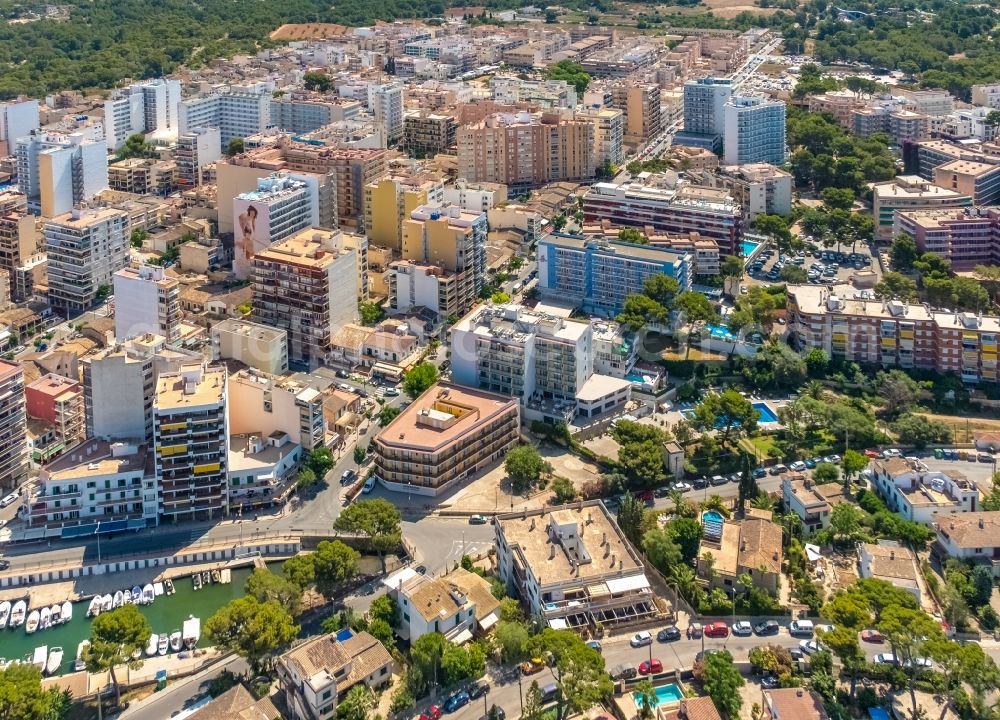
<point>419,377</point>
<point>571,72</point>
<point>252,629</point>
<point>22,697</point>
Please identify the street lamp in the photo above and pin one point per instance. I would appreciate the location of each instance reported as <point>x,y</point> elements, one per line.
<point>98,533</point>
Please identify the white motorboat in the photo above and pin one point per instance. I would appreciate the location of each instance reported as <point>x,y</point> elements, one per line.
<point>17,614</point>
<point>226,576</point>
<point>55,614</point>
<point>168,586</point>
<point>94,609</point>
<point>44,618</point>
<point>107,602</point>
<point>80,664</point>
<point>152,645</point>
<point>163,644</point>
<point>206,578</point>
<point>4,613</point>
<point>148,594</point>
<point>157,589</point>
<point>137,654</point>
<point>136,594</point>
<point>55,660</point>
<point>40,657</point>
<point>196,581</point>
<point>67,611</point>
<point>118,600</point>
<point>192,632</point>
<point>216,576</point>
<point>175,640</point>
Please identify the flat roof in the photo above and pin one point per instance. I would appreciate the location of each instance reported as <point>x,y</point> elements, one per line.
<point>208,388</point>
<point>94,458</point>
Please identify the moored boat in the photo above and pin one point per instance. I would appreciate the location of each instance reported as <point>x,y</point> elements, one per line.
<point>40,657</point>
<point>168,586</point>
<point>226,576</point>
<point>18,613</point>
<point>118,599</point>
<point>34,617</point>
<point>55,614</point>
<point>4,613</point>
<point>79,664</point>
<point>107,602</point>
<point>192,632</point>
<point>148,594</point>
<point>175,640</point>
<point>54,661</point>
<point>151,646</point>
<point>67,611</point>
<point>163,644</point>
<point>206,578</point>
<point>94,609</point>
<point>44,618</point>
<point>196,581</point>
<point>215,576</point>
<point>137,594</point>
<point>157,589</point>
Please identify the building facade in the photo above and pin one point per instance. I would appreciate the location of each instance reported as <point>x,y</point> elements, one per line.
<point>85,249</point>
<point>58,172</point>
<point>754,130</point>
<point>13,427</point>
<point>236,112</point>
<point>147,300</point>
<point>258,346</point>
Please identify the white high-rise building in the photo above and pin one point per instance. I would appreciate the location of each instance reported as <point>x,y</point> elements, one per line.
<point>195,149</point>
<point>17,119</point>
<point>386,103</point>
<point>85,249</point>
<point>236,111</point>
<point>147,300</point>
<point>754,130</point>
<point>57,172</point>
<point>149,107</point>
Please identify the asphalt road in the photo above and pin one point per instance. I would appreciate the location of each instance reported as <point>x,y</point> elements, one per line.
<point>181,696</point>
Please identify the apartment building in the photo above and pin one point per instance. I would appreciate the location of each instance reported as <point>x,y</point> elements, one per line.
<point>302,113</point>
<point>446,436</point>
<point>547,362</point>
<point>263,404</point>
<point>966,237</point>
<point>389,200</point>
<point>147,300</point>
<point>428,133</point>
<point>18,234</point>
<point>572,566</point>
<point>923,157</point>
<point>986,95</point>
<point>57,172</point>
<point>236,111</point>
<point>95,487</point>
<point>754,130</point>
<point>307,285</point>
<point>681,210</point>
<point>143,176</point>
<point>386,103</point>
<point>257,346</point>
<point>118,384</point>
<point>640,103</point>
<point>191,440</point>
<point>458,605</point>
<point>928,102</point>
<point>526,149</point>
<point>282,205</point>
<point>704,114</point>
<point>58,402</point>
<point>842,104</point>
<point>85,249</point>
<point>909,192</point>
<point>13,427</point>
<point>196,148</point>
<point>922,495</point>
<point>475,196</point>
<point>18,118</point>
<point>510,90</point>
<point>599,275</point>
<point>971,536</point>
<point>758,187</point>
<point>811,502</point>
<point>615,351</point>
<point>148,108</point>
<point>317,673</point>
<point>609,134</point>
<point>977,180</point>
<point>415,286</point>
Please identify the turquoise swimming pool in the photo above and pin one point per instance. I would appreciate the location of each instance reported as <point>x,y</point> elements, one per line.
<point>749,247</point>
<point>665,695</point>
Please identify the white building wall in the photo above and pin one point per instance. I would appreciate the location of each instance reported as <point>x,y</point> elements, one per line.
<point>17,119</point>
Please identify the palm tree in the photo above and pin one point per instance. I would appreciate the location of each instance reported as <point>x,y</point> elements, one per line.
<point>715,502</point>
<point>677,498</point>
<point>814,389</point>
<point>645,698</point>
<point>763,501</point>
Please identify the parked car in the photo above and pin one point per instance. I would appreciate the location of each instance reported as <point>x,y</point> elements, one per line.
<point>718,480</point>
<point>8,500</point>
<point>759,472</point>
<point>640,639</point>
<point>478,520</point>
<point>767,627</point>
<point>622,672</point>
<point>669,634</point>
<point>4,564</point>
<point>650,667</point>
<point>700,483</point>
<point>433,712</point>
<point>870,635</point>
<point>919,662</point>
<point>594,645</point>
<point>550,692</point>
<point>809,463</point>
<point>348,477</point>
<point>796,653</point>
<point>456,701</point>
<point>872,453</point>
<point>798,466</point>
<point>742,628</point>
<point>682,486</point>
<point>801,627</point>
<point>734,477</point>
<point>885,659</point>
<point>530,667</point>
<point>984,457</point>
<point>368,486</point>
<point>891,453</point>
<point>777,469</point>
<point>391,392</point>
<point>770,682</point>
<point>343,374</point>
<point>810,646</point>
<point>717,629</point>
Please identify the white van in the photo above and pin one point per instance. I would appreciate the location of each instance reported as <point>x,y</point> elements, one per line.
<point>801,627</point>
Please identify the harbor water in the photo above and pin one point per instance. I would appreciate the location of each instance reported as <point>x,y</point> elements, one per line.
<point>165,615</point>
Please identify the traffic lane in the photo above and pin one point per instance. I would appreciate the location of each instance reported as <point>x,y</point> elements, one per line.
<point>182,694</point>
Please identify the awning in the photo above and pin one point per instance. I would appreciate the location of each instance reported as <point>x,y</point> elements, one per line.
<point>625,584</point>
<point>463,637</point>
<point>812,553</point>
<point>558,624</point>
<point>489,621</point>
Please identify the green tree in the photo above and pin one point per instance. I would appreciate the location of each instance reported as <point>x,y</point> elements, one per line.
<point>315,80</point>
<point>640,310</point>
<point>646,699</point>
<point>896,286</point>
<point>564,490</point>
<point>899,392</point>
<point>632,235</point>
<point>686,532</point>
<point>630,515</point>
<point>533,706</point>
<point>572,72</point>
<point>643,463</point>
<point>136,147</point>
<point>774,226</point>
<point>845,520</point>
<point>663,551</point>
<point>22,697</point>
<point>826,473</point>
<point>378,520</point>
<point>748,489</point>
<point>512,637</point>
<point>359,454</point>
<point>320,461</point>
<point>419,377</point>
<point>722,682</point>
<point>793,274</point>
<point>906,631</point>
<point>696,307</point>
<point>982,582</point>
<point>254,630</point>
<point>265,586</point>
<point>357,704</point>
<point>729,412</point>
<point>852,464</point>
<point>334,563</point>
<point>460,662</point>
<point>837,198</point>
<point>235,147</point>
<point>499,298</point>
<point>114,637</point>
<point>371,313</point>
<point>662,288</point>
<point>299,570</point>
<point>305,479</point>
<point>920,431</point>
<point>425,662</point>
<point>579,669</point>
<point>525,466</point>
<point>817,362</point>
<point>387,414</point>
<point>138,237</point>
<point>903,252</point>
<point>731,267</point>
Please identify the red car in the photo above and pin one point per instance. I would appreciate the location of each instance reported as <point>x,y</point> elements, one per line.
<point>434,713</point>
<point>872,453</point>
<point>872,636</point>
<point>645,496</point>
<point>716,630</point>
<point>647,667</point>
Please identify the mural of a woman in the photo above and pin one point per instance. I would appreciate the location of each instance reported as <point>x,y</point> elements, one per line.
<point>248,226</point>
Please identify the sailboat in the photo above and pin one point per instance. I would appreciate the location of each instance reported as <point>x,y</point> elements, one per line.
<point>80,664</point>
<point>4,613</point>
<point>32,624</point>
<point>17,614</point>
<point>175,640</point>
<point>163,644</point>
<point>67,611</point>
<point>148,594</point>
<point>54,661</point>
<point>151,646</point>
<point>44,618</point>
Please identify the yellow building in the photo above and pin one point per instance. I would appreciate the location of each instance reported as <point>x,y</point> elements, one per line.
<point>391,199</point>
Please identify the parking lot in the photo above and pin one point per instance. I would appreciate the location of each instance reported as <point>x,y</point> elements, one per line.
<point>822,267</point>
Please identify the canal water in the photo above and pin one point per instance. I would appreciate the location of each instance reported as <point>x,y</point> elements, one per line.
<point>165,615</point>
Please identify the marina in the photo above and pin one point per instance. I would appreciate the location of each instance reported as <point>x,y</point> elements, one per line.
<point>174,610</point>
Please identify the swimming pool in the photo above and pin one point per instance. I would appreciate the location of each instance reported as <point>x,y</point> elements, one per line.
<point>711,516</point>
<point>723,333</point>
<point>665,694</point>
<point>765,414</point>
<point>749,247</point>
